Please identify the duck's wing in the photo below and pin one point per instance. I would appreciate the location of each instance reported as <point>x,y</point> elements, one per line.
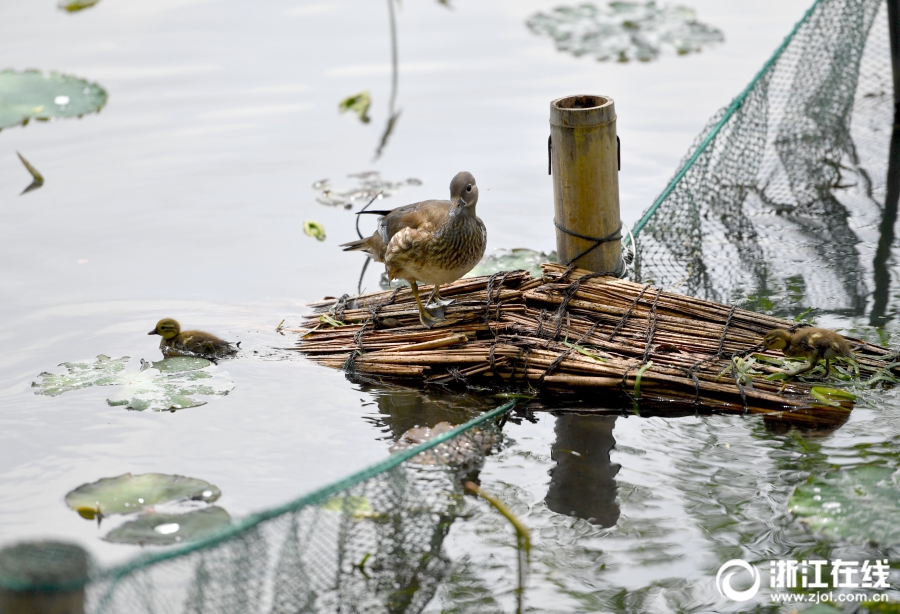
<point>426,215</point>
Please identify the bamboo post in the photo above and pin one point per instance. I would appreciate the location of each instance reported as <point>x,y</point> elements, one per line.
<point>584,164</point>
<point>43,578</point>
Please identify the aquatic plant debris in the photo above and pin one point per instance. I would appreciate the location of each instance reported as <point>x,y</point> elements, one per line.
<point>166,385</point>
<point>858,505</point>
<point>314,229</point>
<point>516,259</point>
<point>624,31</point>
<point>166,529</point>
<point>369,184</point>
<point>33,94</point>
<point>37,178</point>
<point>129,494</point>
<point>359,104</point>
<point>73,6</point>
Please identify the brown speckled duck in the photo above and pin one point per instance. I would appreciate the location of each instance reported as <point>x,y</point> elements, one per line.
<point>434,241</point>
<point>814,344</point>
<point>190,342</point>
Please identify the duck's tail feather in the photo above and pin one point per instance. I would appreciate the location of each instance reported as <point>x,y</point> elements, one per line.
<point>358,245</point>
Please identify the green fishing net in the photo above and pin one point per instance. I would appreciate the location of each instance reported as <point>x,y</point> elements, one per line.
<point>780,199</point>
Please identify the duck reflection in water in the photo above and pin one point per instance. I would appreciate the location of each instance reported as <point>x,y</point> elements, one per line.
<point>583,482</point>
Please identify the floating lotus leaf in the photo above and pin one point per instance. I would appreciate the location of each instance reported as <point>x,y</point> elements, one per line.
<point>166,385</point>
<point>860,505</point>
<point>165,529</point>
<point>126,494</point>
<point>104,371</point>
<point>512,260</point>
<point>624,31</point>
<point>367,186</point>
<point>33,94</point>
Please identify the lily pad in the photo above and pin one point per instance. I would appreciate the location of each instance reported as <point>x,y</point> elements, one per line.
<point>367,185</point>
<point>33,94</point>
<point>512,260</point>
<point>624,31</point>
<point>127,494</point>
<point>166,529</point>
<point>104,371</point>
<point>167,385</point>
<point>858,505</point>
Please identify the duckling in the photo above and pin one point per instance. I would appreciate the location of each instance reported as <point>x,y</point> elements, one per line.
<point>811,343</point>
<point>190,342</point>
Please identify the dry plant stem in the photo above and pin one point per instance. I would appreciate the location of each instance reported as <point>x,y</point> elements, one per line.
<point>514,331</point>
<point>523,535</point>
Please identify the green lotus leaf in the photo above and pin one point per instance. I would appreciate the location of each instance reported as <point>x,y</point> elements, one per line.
<point>858,505</point>
<point>104,371</point>
<point>167,385</point>
<point>165,529</point>
<point>127,494</point>
<point>178,364</point>
<point>512,260</point>
<point>624,31</point>
<point>33,94</point>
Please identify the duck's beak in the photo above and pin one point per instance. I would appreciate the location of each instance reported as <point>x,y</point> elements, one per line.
<point>153,332</point>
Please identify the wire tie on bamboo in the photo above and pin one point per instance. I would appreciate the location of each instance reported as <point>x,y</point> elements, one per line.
<point>339,307</point>
<point>725,331</point>
<point>627,313</point>
<point>615,235</point>
<point>651,327</point>
<point>558,360</point>
<point>571,290</point>
<point>490,288</point>
<point>373,315</point>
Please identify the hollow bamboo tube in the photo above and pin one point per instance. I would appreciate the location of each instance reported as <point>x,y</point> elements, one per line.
<point>43,578</point>
<point>584,165</point>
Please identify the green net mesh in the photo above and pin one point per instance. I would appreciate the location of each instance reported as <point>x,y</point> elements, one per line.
<point>781,194</point>
<point>370,543</point>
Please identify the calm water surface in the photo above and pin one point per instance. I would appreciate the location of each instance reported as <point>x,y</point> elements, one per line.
<point>185,197</point>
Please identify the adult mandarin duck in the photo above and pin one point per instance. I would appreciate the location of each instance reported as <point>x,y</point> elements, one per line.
<point>433,241</point>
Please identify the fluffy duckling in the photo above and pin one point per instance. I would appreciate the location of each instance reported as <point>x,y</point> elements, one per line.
<point>190,342</point>
<point>811,343</point>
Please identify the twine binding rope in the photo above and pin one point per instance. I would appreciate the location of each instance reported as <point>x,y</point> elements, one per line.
<point>616,235</point>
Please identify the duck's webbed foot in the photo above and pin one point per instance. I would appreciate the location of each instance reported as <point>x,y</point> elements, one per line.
<point>435,300</point>
<point>809,366</point>
<point>428,317</point>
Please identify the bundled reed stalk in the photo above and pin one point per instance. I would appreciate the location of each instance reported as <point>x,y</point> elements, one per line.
<point>573,331</point>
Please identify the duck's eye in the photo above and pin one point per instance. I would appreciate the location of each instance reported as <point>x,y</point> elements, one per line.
<point>469,188</point>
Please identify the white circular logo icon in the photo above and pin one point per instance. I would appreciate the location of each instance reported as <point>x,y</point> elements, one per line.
<point>723,580</point>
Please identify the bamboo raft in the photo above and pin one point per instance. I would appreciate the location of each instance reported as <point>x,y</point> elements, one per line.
<point>574,332</point>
